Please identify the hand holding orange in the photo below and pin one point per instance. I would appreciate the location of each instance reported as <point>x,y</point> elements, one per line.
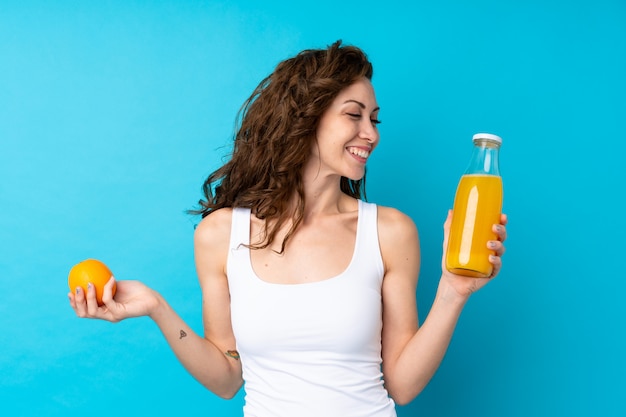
<point>90,271</point>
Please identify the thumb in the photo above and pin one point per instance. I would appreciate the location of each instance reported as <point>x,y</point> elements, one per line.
<point>109,291</point>
<point>446,233</point>
<point>446,230</point>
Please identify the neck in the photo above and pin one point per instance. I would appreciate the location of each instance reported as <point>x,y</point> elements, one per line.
<point>322,199</point>
<point>322,192</point>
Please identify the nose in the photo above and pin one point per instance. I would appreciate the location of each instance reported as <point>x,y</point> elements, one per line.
<point>369,131</point>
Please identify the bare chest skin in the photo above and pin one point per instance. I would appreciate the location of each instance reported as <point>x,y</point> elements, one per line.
<point>321,249</point>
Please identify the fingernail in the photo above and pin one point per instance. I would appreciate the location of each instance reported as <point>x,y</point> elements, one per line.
<point>89,285</point>
<point>492,245</point>
<point>78,290</point>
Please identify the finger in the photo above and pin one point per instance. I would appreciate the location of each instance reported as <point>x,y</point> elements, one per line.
<point>496,246</point>
<point>496,261</point>
<point>504,219</point>
<point>92,303</point>
<point>500,230</point>
<point>80,304</point>
<point>107,294</point>
<point>446,229</point>
<point>448,218</point>
<point>70,296</point>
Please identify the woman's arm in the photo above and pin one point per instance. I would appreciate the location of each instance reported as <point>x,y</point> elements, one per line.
<point>205,357</point>
<point>411,356</point>
<point>222,373</point>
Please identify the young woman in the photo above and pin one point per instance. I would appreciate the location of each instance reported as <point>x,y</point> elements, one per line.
<point>308,291</point>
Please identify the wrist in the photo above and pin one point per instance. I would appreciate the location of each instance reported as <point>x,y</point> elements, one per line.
<point>447,294</point>
<point>159,307</point>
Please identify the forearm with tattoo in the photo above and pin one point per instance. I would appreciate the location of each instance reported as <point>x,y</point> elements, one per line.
<point>232,354</point>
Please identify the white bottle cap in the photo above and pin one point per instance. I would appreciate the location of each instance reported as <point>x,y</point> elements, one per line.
<point>488,136</point>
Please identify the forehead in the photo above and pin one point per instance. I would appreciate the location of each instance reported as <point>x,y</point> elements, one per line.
<point>361,91</point>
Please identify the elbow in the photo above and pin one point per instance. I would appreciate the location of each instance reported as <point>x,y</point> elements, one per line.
<point>403,395</point>
<point>227,395</point>
<point>227,392</point>
<point>402,399</point>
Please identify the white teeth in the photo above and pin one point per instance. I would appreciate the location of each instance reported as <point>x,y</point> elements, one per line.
<point>359,152</point>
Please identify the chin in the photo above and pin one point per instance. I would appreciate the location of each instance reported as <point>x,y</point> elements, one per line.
<point>355,176</point>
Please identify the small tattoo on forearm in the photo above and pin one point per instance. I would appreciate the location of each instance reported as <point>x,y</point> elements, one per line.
<point>232,354</point>
<point>182,334</point>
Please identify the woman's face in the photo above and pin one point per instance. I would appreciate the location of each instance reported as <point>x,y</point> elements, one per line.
<point>347,132</point>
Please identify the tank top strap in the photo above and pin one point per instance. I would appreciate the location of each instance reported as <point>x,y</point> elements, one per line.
<point>240,228</point>
<point>367,238</point>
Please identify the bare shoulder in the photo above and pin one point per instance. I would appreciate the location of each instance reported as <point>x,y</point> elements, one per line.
<point>211,240</point>
<point>214,227</point>
<point>394,225</point>
<point>398,236</point>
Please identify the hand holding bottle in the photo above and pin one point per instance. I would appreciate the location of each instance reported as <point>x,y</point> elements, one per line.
<point>465,285</point>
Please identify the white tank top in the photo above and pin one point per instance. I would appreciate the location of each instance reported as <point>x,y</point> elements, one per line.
<point>311,349</point>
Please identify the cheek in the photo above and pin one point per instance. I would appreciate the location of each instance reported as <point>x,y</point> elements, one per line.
<point>328,139</point>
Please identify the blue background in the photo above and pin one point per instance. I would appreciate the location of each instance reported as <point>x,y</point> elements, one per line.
<point>112,113</point>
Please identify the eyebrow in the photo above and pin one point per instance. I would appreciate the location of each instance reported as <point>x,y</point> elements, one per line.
<point>361,105</point>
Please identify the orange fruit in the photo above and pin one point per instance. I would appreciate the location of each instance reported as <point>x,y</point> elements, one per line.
<point>90,271</point>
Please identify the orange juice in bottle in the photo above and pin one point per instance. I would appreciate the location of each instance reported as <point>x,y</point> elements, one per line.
<point>477,207</point>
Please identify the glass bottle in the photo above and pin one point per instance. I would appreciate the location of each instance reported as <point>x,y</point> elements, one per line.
<point>477,207</point>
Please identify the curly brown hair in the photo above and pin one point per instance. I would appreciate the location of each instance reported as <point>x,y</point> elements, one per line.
<point>272,144</point>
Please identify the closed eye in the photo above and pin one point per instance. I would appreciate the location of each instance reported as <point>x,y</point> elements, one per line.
<point>358,116</point>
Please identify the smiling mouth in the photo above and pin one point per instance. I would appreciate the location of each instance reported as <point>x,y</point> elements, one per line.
<point>362,153</point>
